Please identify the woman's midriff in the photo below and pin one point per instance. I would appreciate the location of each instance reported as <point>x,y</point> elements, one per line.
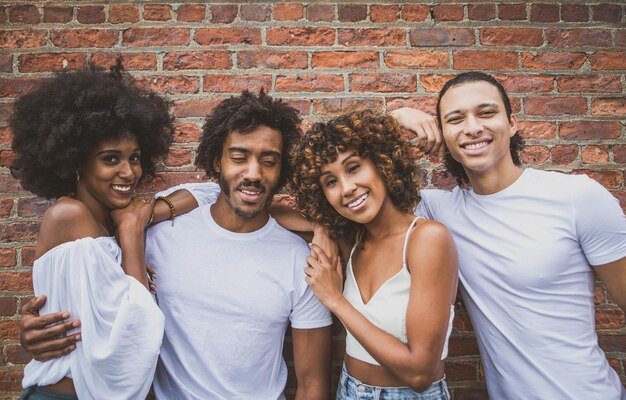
<point>65,385</point>
<point>377,375</point>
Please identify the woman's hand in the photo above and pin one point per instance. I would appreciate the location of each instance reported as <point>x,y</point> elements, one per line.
<point>136,215</point>
<point>428,136</point>
<point>324,277</point>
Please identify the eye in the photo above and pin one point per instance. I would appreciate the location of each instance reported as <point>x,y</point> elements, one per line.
<point>487,113</point>
<point>330,182</point>
<point>353,168</point>
<point>269,161</point>
<point>110,158</point>
<point>454,120</point>
<point>135,158</point>
<point>238,159</point>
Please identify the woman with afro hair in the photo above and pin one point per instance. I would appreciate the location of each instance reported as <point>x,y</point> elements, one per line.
<point>356,176</point>
<point>86,138</point>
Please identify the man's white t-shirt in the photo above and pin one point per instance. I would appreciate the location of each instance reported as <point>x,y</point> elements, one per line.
<point>524,264</point>
<point>227,299</point>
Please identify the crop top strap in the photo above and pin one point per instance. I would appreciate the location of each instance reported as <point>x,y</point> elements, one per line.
<point>406,241</point>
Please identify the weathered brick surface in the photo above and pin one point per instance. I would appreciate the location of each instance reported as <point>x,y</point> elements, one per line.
<point>564,64</point>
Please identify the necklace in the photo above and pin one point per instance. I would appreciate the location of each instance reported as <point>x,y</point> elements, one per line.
<point>104,228</point>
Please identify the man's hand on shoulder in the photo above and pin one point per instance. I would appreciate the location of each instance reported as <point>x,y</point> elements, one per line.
<point>45,337</point>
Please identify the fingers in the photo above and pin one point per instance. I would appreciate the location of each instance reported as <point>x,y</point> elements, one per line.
<point>54,348</point>
<point>33,305</point>
<point>30,321</point>
<point>31,336</point>
<point>320,254</point>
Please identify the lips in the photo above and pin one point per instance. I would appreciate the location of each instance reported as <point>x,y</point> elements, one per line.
<point>123,190</point>
<point>251,195</point>
<point>476,146</point>
<point>358,201</point>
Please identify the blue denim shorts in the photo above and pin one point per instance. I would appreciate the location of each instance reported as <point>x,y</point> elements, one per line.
<point>39,393</point>
<point>352,389</point>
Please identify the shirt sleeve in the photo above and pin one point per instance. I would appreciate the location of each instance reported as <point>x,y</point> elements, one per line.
<point>424,207</point>
<point>204,192</point>
<point>307,312</point>
<point>599,220</point>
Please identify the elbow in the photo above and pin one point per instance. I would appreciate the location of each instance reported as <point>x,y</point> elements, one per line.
<point>421,381</point>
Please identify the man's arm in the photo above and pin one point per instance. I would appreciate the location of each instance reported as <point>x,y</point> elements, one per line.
<point>44,336</point>
<point>613,275</point>
<point>311,353</point>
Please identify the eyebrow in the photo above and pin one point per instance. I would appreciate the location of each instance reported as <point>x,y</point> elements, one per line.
<point>482,105</point>
<point>263,153</point>
<point>345,160</point>
<point>115,151</point>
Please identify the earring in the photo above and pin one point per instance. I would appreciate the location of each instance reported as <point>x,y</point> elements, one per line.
<point>77,175</point>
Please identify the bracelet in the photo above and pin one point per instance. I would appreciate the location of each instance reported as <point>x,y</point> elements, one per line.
<point>170,205</point>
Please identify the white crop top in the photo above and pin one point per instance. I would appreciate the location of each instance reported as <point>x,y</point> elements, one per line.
<point>387,307</point>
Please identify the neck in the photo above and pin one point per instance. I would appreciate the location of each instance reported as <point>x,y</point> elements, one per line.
<point>101,214</point>
<point>495,179</point>
<point>225,216</point>
<point>389,220</point>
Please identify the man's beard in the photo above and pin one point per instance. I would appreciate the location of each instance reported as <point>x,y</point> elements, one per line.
<point>245,183</point>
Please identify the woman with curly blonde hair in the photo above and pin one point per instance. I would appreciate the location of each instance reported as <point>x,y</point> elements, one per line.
<point>357,177</point>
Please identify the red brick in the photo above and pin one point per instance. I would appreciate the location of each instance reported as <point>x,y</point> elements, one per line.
<point>28,256</point>
<point>470,393</point>
<point>121,13</point>
<point>194,107</point>
<point>555,106</point>
<point>309,83</point>
<point>372,37</point>
<point>610,179</point>
<point>148,37</point>
<point>57,14</point>
<point>553,60</point>
<point>22,39</point>
<point>26,14</point>
<point>255,12</point>
<point>6,62</point>
<point>609,106</point>
<point>598,294</point>
<point>6,158</point>
<point>131,61</point>
<point>595,154</point>
<point>320,12</point>
<point>485,60</point>
<point>302,105</point>
<point>164,180</point>
<point>447,12</point>
<point>341,105</point>
<point>11,380</point>
<point>191,13</point>
<point>443,180</point>
<point>608,60</point>
<point>16,87</point>
<point>574,12</point>
<point>178,157</point>
<point>32,206</point>
<point>345,59</point>
<point>415,12</point>
<point>513,12</point>
<point>421,37</point>
<point>384,12</point>
<point>218,59</point>
<point>9,184</point>
<point>615,364</point>
<point>69,38</point>
<point>16,281</point>
<point>8,258</point>
<point>236,83</point>
<point>157,12</point>
<point>222,36</point>
<point>619,153</point>
<point>540,12</point>
<point>5,134</point>
<point>288,11</point>
<point>535,155</point>
<point>185,133</point>
<point>526,83</point>
<point>481,12</point>
<point>17,355</point>
<point>3,15</point>
<point>620,37</point>
<point>6,205</point>
<point>169,84</point>
<point>8,306</point>
<point>352,12</point>
<point>426,104</point>
<point>383,83</point>
<point>272,59</point>
<point>607,13</point>
<point>459,371</point>
<point>417,59</point>
<point>18,232</point>
<point>44,62</point>
<point>537,129</point>
<point>511,37</point>
<point>589,83</point>
<point>589,130</point>
<point>578,37</point>
<point>434,83</point>
<point>90,14</point>
<point>223,13</point>
<point>564,154</point>
<point>300,36</point>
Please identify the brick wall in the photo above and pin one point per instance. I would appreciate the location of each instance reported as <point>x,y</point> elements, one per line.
<point>563,64</point>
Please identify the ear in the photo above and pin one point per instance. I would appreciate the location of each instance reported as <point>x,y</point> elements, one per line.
<point>217,165</point>
<point>513,125</point>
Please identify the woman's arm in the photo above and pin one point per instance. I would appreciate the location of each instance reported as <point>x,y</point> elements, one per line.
<point>433,266</point>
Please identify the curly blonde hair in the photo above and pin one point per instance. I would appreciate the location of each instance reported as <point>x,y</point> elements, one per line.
<point>371,136</point>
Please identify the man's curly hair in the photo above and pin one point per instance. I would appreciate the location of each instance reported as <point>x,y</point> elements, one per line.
<point>56,126</point>
<point>371,136</point>
<point>516,142</point>
<point>244,113</point>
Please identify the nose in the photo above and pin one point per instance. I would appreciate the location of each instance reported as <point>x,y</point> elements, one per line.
<point>253,171</point>
<point>126,171</point>
<point>473,125</point>
<point>347,187</point>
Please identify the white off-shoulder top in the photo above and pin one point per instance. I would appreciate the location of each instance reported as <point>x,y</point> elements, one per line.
<point>121,325</point>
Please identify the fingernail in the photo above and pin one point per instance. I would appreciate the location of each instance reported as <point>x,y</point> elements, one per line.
<point>65,315</point>
<point>78,337</point>
<point>76,324</point>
